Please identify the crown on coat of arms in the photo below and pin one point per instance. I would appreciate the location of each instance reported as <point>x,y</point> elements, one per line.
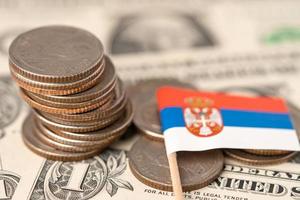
<point>197,102</point>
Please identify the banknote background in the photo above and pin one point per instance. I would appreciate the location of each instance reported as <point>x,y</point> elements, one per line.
<point>239,46</point>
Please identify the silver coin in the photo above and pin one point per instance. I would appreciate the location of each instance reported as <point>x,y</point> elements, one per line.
<point>55,54</point>
<point>146,116</point>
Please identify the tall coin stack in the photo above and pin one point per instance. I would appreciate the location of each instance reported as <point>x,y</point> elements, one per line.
<point>79,104</point>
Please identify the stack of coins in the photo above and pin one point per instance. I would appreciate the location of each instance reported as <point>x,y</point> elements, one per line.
<point>79,104</point>
<point>147,158</point>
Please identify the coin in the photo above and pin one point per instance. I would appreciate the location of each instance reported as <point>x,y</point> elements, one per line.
<point>142,90</point>
<point>100,113</point>
<point>70,54</point>
<point>266,152</point>
<point>88,106</point>
<point>77,143</point>
<point>104,121</point>
<point>33,143</point>
<point>69,91</point>
<point>40,102</point>
<point>65,144</point>
<point>61,146</point>
<point>146,115</point>
<point>146,119</point>
<point>73,128</point>
<point>107,83</point>
<point>149,164</point>
<point>59,86</point>
<point>79,104</point>
<point>118,127</point>
<point>253,159</point>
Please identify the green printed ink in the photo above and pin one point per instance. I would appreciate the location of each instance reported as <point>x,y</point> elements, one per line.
<point>283,35</point>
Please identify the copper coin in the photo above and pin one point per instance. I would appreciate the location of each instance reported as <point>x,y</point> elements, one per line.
<point>146,115</point>
<point>99,113</point>
<point>104,121</point>
<point>55,54</point>
<point>118,127</point>
<point>69,91</point>
<point>266,152</point>
<point>108,81</point>
<point>149,164</point>
<point>73,128</point>
<point>60,146</point>
<point>115,114</point>
<point>63,146</point>
<point>77,143</point>
<point>66,110</point>
<point>86,104</point>
<point>253,159</point>
<point>33,142</point>
<point>59,86</point>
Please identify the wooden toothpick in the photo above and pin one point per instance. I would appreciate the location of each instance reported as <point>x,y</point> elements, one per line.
<point>175,176</point>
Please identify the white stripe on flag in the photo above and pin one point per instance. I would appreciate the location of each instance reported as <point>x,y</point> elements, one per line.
<point>180,139</point>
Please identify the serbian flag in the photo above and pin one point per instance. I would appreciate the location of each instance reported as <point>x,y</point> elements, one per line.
<point>196,121</point>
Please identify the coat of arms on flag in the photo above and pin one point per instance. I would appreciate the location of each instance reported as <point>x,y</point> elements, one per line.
<point>196,120</point>
<point>201,118</point>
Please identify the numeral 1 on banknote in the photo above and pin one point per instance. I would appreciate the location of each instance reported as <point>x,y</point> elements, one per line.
<point>8,183</point>
<point>3,194</point>
<point>77,177</point>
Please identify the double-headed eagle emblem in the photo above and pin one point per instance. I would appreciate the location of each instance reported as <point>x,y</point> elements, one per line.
<point>201,117</point>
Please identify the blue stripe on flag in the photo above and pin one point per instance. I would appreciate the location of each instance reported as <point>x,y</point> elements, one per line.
<point>173,117</point>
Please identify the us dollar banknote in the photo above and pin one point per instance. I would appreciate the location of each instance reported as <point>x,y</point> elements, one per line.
<point>161,26</point>
<point>107,175</point>
<point>238,46</point>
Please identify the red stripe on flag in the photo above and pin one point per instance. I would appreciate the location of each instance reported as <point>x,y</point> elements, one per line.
<point>171,97</point>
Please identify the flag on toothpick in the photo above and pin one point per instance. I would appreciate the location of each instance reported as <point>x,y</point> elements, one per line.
<point>196,121</point>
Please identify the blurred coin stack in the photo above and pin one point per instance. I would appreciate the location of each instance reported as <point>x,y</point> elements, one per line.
<point>79,104</point>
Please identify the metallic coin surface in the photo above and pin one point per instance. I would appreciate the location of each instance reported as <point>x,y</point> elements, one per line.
<point>88,106</point>
<point>44,102</point>
<point>100,113</point>
<point>107,120</point>
<point>266,152</point>
<point>59,86</point>
<point>55,54</point>
<point>146,119</point>
<point>108,81</point>
<point>73,128</point>
<point>33,142</point>
<point>118,127</point>
<point>60,146</point>
<point>148,162</point>
<point>43,91</point>
<point>142,90</point>
<point>253,159</point>
<point>78,143</point>
<point>146,115</point>
<point>65,144</point>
